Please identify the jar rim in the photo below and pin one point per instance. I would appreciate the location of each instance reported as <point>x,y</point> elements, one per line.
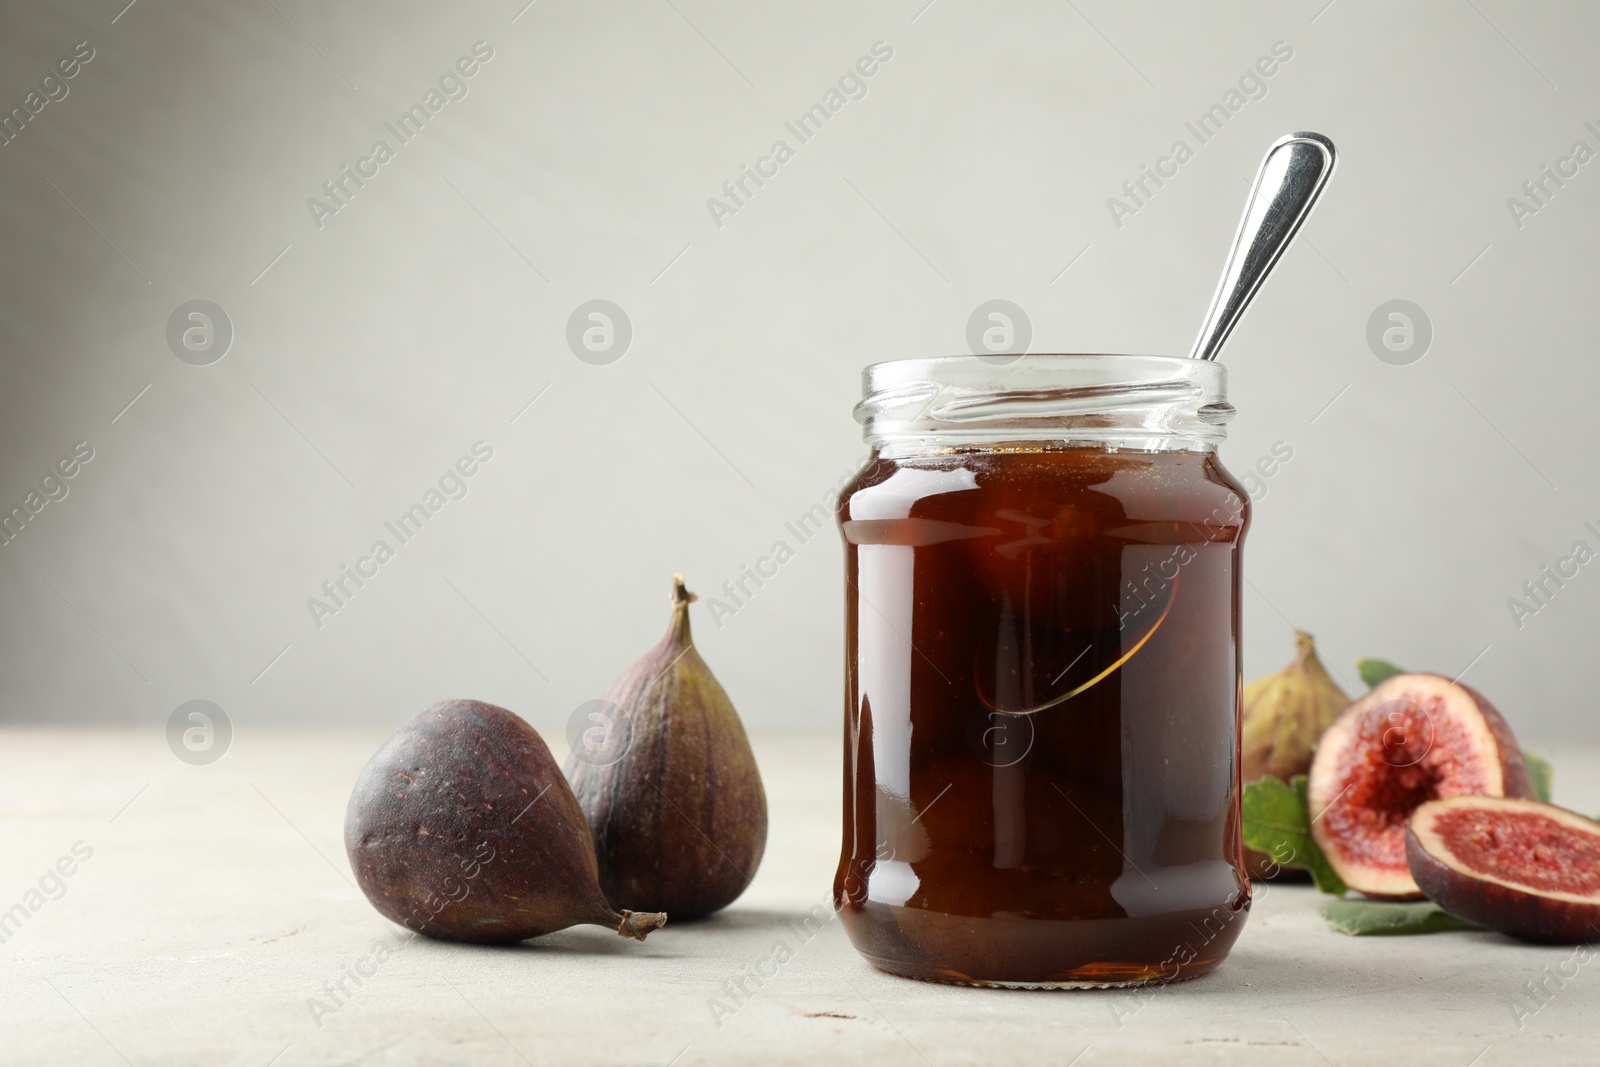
<point>1002,360</point>
<point>1150,402</point>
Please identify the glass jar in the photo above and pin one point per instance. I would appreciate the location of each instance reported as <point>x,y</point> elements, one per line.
<point>1041,759</point>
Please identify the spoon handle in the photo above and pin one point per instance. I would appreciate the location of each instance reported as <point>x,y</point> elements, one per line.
<point>1291,178</point>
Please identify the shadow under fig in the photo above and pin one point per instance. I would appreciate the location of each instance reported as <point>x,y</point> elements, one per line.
<point>598,941</point>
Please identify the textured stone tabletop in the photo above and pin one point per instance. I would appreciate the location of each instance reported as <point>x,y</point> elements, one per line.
<point>209,911</point>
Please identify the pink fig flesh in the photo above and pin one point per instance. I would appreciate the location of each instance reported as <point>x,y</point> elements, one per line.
<point>1524,868</point>
<point>1414,738</point>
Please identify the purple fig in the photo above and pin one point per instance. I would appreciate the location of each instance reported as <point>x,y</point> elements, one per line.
<point>461,827</point>
<point>1414,738</point>
<point>679,818</point>
<point>1524,868</point>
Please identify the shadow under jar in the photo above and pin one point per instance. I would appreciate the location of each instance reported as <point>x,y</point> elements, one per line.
<point>1041,783</point>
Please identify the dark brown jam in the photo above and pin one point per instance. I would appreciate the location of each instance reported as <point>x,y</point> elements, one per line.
<point>1041,735</point>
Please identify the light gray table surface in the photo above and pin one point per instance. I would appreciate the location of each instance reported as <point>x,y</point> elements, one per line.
<point>215,903</point>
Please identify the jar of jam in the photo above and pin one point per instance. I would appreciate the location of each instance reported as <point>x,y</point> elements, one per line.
<point>1041,758</point>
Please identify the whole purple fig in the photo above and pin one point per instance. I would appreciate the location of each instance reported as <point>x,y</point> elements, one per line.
<point>679,819</point>
<point>461,827</point>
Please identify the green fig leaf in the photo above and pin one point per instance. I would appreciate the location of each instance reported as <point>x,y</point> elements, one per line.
<point>1375,918</point>
<point>1374,671</point>
<point>1276,821</point>
<point>1539,771</point>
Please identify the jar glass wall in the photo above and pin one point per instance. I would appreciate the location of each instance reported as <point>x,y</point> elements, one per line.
<point>1042,672</point>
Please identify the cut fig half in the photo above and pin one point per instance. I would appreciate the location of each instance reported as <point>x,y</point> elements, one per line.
<point>1524,868</point>
<point>1414,738</point>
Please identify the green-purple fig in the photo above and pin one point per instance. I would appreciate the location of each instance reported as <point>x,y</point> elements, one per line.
<point>1281,717</point>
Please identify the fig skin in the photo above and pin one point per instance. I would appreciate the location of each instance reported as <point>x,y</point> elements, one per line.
<point>1281,717</point>
<point>1524,912</point>
<point>1481,757</point>
<point>680,819</point>
<point>462,828</point>
<point>1284,713</point>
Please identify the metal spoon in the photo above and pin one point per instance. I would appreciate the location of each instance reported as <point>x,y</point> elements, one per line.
<point>1291,178</point>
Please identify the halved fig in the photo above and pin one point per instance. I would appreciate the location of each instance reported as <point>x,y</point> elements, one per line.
<point>1521,867</point>
<point>1414,738</point>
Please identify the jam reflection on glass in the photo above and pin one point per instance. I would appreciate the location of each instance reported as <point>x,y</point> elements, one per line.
<point>1041,721</point>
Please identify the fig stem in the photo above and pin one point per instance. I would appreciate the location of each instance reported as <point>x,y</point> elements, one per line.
<point>638,924</point>
<point>681,599</point>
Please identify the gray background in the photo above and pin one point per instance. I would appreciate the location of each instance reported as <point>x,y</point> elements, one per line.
<point>428,312</point>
